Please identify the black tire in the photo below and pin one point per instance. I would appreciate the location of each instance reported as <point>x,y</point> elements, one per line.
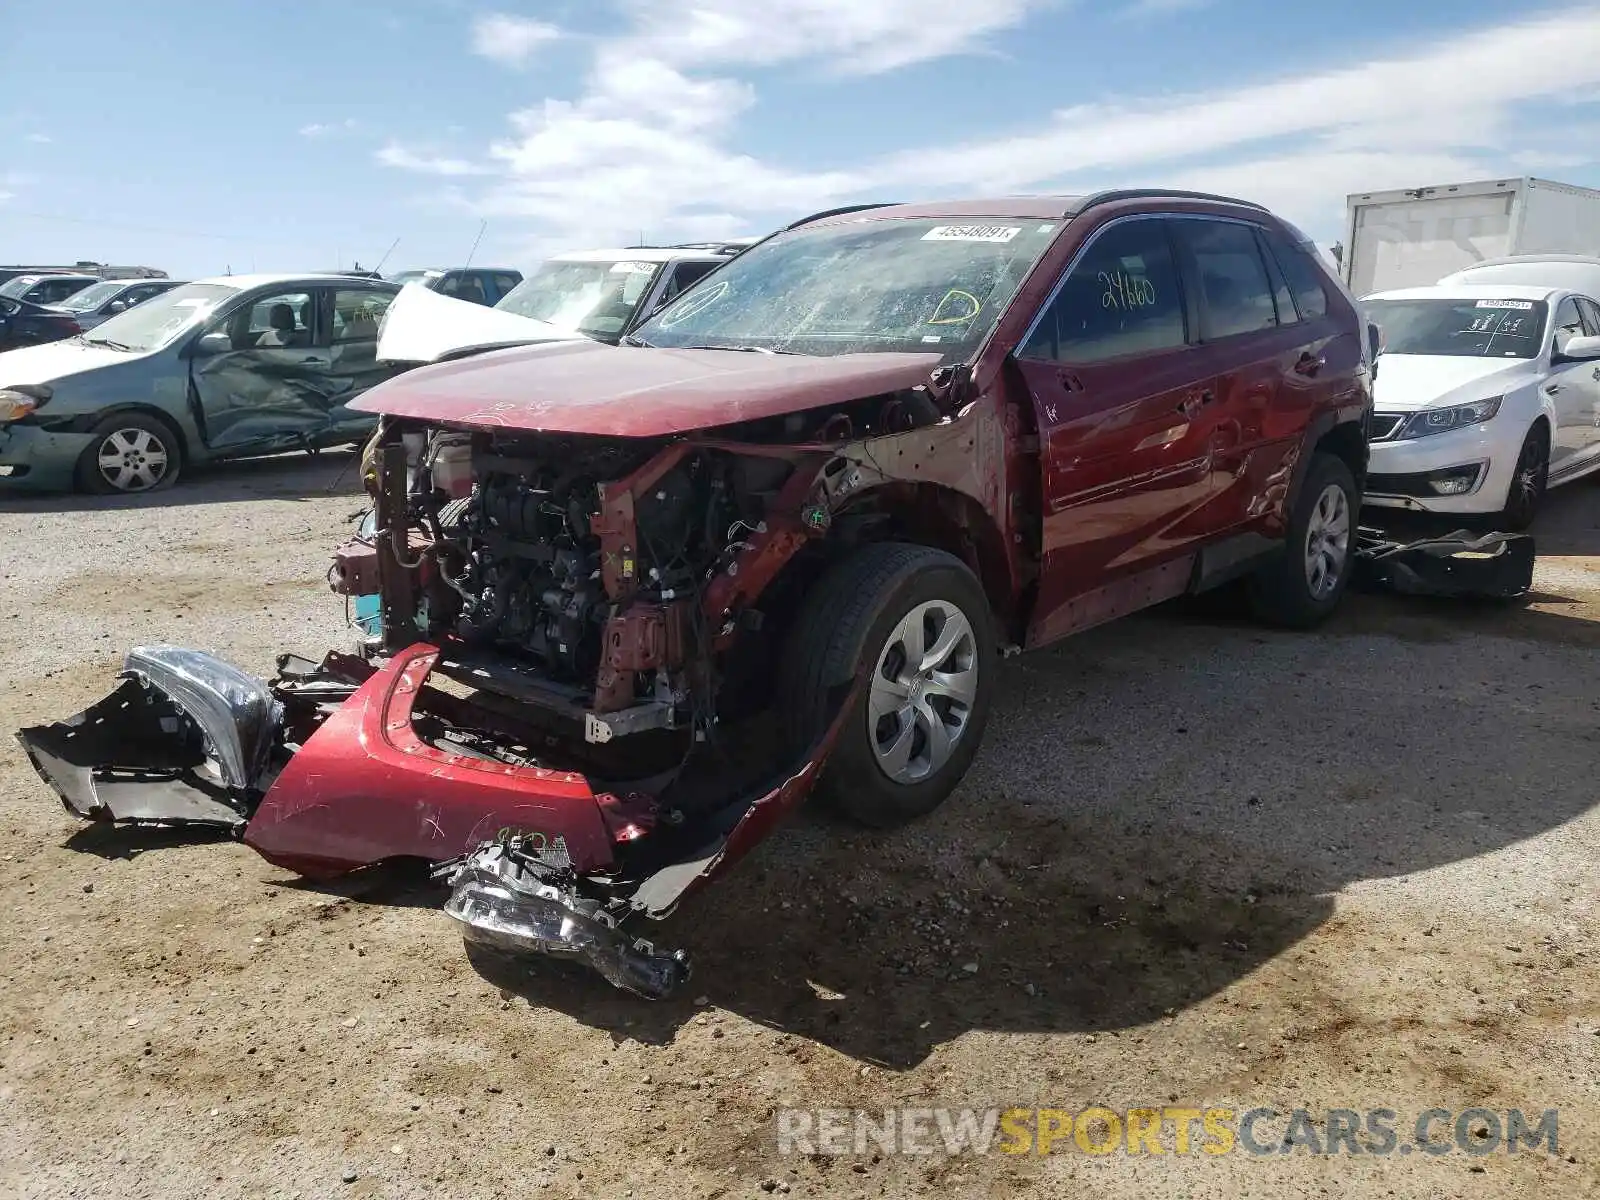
<point>1530,480</point>
<point>137,433</point>
<point>1283,591</point>
<point>844,624</point>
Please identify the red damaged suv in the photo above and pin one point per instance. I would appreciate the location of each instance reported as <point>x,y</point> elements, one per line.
<point>638,600</point>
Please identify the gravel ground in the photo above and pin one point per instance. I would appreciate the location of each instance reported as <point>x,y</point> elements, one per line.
<point>1196,863</point>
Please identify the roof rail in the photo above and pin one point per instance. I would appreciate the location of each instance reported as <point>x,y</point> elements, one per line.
<point>1115,194</point>
<point>839,212</point>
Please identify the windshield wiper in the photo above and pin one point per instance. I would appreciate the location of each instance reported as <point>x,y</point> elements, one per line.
<point>629,339</point>
<point>107,342</point>
<point>744,349</point>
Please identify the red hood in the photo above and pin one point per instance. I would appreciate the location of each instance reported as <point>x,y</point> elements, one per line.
<point>585,387</point>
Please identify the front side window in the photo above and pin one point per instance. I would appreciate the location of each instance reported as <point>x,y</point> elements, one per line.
<point>1591,316</point>
<point>595,298</point>
<point>1121,298</point>
<point>1487,328</point>
<point>1234,292</point>
<point>283,321</point>
<point>934,284</point>
<point>1568,324</point>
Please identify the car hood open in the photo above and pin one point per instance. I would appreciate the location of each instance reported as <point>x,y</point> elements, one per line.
<point>588,387</point>
<point>421,326</point>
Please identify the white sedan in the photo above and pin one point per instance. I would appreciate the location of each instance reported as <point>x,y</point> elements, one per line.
<point>1486,396</point>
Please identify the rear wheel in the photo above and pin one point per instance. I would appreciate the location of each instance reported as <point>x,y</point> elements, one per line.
<point>916,622</point>
<point>1529,480</point>
<point>131,452</point>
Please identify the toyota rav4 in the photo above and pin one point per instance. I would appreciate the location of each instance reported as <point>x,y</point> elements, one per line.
<point>637,600</point>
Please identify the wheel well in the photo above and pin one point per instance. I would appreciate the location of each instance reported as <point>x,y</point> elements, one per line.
<point>1541,419</point>
<point>921,513</point>
<point>1347,441</point>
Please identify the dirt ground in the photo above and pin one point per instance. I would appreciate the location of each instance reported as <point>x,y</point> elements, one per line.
<point>1196,863</point>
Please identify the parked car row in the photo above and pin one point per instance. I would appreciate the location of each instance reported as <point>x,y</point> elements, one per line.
<point>39,309</point>
<point>243,365</point>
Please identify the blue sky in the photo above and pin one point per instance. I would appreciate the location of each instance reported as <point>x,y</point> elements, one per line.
<point>202,136</point>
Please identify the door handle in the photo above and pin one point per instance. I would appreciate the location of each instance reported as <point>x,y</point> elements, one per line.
<point>1195,401</point>
<point>313,360</point>
<point>1310,364</point>
<point>1553,388</point>
<point>1069,381</point>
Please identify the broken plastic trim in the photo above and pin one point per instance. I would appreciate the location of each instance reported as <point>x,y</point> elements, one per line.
<point>1497,566</point>
<point>182,740</point>
<point>506,896</point>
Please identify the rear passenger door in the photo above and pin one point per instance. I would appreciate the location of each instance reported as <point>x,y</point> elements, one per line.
<point>354,366</point>
<point>1123,404</point>
<point>1264,324</point>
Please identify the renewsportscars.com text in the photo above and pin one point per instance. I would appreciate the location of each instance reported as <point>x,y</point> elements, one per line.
<point>1167,1129</point>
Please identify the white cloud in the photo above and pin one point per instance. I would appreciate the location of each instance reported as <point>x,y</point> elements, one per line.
<point>40,139</point>
<point>648,142</point>
<point>426,162</point>
<point>4,196</point>
<point>318,129</point>
<point>510,40</point>
<point>850,35</point>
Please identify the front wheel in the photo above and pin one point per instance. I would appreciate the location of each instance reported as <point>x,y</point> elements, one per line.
<point>131,452</point>
<point>915,623</point>
<point>1301,587</point>
<point>1529,480</point>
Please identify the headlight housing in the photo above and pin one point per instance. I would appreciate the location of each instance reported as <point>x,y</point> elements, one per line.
<point>17,402</point>
<point>1442,420</point>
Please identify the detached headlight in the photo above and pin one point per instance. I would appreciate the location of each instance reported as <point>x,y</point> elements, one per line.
<point>1443,420</point>
<point>17,402</point>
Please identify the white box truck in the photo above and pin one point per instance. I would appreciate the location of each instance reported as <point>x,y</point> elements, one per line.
<point>1417,236</point>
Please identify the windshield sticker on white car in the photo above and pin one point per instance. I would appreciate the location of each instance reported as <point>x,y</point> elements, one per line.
<point>632,268</point>
<point>1519,305</point>
<point>972,233</point>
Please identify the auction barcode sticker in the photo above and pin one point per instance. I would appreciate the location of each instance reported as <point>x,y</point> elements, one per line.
<point>1519,305</point>
<point>972,233</point>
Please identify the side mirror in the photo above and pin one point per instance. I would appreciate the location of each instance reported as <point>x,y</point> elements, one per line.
<point>117,306</point>
<point>1579,349</point>
<point>215,342</point>
<point>1374,346</point>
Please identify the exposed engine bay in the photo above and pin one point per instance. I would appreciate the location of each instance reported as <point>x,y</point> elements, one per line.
<point>564,704</point>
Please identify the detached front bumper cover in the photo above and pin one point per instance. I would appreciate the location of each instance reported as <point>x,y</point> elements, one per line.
<point>1496,566</point>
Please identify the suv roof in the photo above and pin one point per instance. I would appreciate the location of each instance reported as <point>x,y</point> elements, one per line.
<point>1040,208</point>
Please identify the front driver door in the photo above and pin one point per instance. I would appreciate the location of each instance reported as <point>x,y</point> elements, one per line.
<point>1126,413</point>
<point>267,385</point>
<point>1571,388</point>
